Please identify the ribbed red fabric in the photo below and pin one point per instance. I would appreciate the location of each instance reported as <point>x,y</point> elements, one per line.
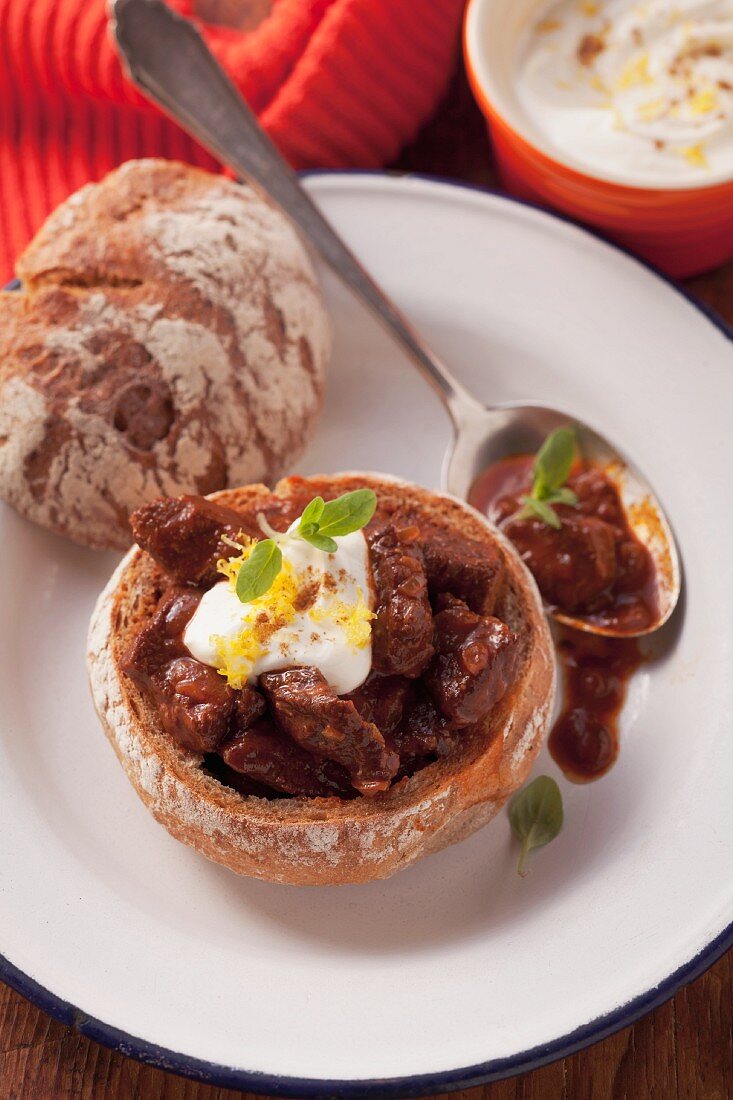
<point>336,83</point>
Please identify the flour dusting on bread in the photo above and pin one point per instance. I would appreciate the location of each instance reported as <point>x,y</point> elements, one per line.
<point>173,332</point>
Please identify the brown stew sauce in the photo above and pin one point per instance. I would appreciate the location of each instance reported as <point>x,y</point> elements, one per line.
<point>584,740</point>
<point>594,567</point>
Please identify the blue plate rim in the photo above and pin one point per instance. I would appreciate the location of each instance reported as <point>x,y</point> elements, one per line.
<point>421,1084</point>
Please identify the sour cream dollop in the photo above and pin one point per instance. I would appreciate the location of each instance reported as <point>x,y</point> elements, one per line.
<point>640,91</point>
<point>316,613</point>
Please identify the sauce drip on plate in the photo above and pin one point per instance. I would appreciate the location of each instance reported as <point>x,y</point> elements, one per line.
<point>584,741</point>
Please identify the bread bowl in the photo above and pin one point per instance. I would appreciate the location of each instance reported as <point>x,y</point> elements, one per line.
<point>329,840</point>
<point>169,337</point>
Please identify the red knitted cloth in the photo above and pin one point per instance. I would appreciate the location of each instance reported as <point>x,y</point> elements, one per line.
<point>336,83</point>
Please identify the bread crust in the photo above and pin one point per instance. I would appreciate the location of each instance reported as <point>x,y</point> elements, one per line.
<point>169,337</point>
<point>326,840</point>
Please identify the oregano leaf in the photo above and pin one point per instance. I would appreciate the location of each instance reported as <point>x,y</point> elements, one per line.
<point>257,573</point>
<point>536,816</point>
<point>553,462</point>
<point>321,542</point>
<point>347,513</point>
<point>312,513</point>
<point>562,496</point>
<point>531,506</point>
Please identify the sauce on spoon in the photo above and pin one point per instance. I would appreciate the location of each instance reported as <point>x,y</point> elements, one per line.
<point>593,566</point>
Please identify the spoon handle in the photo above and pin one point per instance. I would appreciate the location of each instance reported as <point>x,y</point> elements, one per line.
<point>169,61</point>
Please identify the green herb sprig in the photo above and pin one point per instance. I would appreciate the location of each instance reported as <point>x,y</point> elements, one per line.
<point>536,816</point>
<point>321,523</point>
<point>256,575</point>
<point>550,472</point>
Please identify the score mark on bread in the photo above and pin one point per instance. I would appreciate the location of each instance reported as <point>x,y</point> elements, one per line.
<point>170,337</point>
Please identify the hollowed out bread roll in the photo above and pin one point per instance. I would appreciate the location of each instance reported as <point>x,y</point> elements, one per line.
<point>169,337</point>
<point>327,840</point>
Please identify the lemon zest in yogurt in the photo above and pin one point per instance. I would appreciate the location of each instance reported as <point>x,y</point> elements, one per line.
<point>266,614</point>
<point>635,73</point>
<point>236,657</point>
<point>354,619</point>
<point>695,155</point>
<point>652,109</point>
<point>229,567</point>
<point>704,101</point>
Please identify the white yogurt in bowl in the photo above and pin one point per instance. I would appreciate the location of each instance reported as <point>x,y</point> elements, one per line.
<point>633,89</point>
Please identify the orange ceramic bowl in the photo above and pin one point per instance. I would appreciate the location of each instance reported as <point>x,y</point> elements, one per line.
<point>683,229</point>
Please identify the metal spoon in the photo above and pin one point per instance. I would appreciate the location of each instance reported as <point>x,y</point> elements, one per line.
<point>169,61</point>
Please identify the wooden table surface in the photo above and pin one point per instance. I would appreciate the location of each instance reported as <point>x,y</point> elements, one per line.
<point>683,1050</point>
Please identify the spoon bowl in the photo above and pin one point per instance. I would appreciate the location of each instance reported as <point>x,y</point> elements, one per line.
<point>485,435</point>
<point>169,61</point>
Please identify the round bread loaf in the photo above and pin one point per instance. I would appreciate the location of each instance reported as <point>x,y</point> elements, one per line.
<point>169,337</point>
<point>317,841</point>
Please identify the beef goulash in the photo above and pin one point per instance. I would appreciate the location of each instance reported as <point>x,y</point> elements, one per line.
<point>427,659</point>
<point>340,642</point>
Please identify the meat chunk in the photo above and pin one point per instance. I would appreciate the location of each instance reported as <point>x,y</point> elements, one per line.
<point>214,766</point>
<point>474,664</point>
<point>420,730</point>
<point>160,640</point>
<point>249,706</point>
<point>381,700</point>
<point>267,756</point>
<point>307,710</point>
<point>402,632</point>
<point>573,565</point>
<point>194,703</point>
<point>405,715</point>
<point>183,535</point>
<point>597,496</point>
<point>470,570</point>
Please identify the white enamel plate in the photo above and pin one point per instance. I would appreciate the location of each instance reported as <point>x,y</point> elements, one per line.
<point>456,970</point>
